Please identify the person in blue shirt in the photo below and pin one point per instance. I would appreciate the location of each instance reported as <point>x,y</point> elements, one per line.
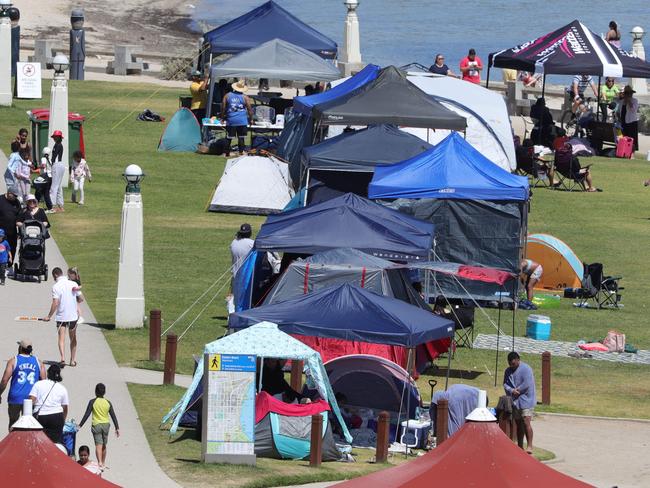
<point>21,373</point>
<point>13,164</point>
<point>236,110</point>
<point>519,384</point>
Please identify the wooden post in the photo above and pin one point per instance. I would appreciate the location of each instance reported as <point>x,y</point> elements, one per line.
<point>442,421</point>
<point>316,443</point>
<point>154,335</point>
<point>296,375</point>
<point>170,359</point>
<point>546,378</point>
<point>383,438</point>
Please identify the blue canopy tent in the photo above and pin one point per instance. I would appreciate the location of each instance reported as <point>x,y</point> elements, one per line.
<point>266,22</point>
<point>347,221</point>
<point>350,313</point>
<point>346,163</point>
<point>479,210</point>
<point>451,170</point>
<point>298,129</point>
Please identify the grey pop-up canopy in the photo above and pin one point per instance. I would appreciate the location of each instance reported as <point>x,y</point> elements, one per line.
<point>277,59</point>
<point>389,99</point>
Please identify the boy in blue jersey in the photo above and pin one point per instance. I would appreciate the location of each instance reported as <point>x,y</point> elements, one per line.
<point>21,373</point>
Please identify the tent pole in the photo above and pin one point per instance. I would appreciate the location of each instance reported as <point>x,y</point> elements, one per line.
<point>543,85</point>
<point>514,311</point>
<point>498,329</point>
<point>451,344</point>
<point>259,387</point>
<point>496,364</point>
<point>598,99</point>
<point>410,362</point>
<point>487,80</point>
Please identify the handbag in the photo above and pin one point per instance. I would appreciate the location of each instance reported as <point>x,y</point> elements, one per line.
<point>35,414</point>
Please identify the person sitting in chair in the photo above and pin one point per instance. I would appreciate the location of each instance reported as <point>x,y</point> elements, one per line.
<point>543,122</point>
<point>569,166</point>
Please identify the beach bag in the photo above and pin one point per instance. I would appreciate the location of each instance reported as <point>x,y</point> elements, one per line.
<point>624,147</point>
<point>615,341</point>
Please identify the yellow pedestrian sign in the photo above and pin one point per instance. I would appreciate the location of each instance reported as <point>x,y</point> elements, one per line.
<point>215,362</point>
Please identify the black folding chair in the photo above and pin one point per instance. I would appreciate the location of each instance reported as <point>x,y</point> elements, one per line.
<point>528,164</point>
<point>463,318</point>
<point>603,290</point>
<point>567,169</point>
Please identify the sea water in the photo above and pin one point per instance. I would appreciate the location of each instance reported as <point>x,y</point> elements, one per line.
<point>403,31</point>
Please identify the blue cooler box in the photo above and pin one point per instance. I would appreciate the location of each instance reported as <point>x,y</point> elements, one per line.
<point>538,327</point>
<point>417,433</point>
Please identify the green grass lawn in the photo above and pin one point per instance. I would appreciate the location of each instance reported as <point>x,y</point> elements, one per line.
<point>186,250</point>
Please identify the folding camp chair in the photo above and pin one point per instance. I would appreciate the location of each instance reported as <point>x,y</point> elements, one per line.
<point>604,290</point>
<point>528,164</point>
<point>567,169</point>
<point>264,113</point>
<point>463,318</point>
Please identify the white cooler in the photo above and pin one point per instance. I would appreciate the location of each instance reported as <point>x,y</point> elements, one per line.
<point>416,434</point>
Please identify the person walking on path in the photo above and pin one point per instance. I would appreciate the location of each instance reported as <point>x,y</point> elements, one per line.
<point>50,399</point>
<point>43,182</point>
<point>5,257</point>
<point>58,172</point>
<point>101,409</point>
<point>9,210</point>
<point>64,305</point>
<point>80,171</point>
<point>21,373</point>
<point>519,384</point>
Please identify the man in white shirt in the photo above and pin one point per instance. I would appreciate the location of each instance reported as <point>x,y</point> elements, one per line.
<point>65,296</point>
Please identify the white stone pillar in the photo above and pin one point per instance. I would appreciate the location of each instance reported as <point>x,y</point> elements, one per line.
<point>6,96</point>
<point>350,54</point>
<point>129,305</point>
<point>59,112</point>
<point>640,85</point>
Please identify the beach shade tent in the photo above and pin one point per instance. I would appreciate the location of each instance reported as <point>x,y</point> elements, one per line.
<point>182,134</point>
<point>572,49</point>
<point>345,265</point>
<point>373,382</point>
<point>277,59</point>
<point>562,268</point>
<point>346,319</point>
<point>479,210</point>
<point>283,431</point>
<point>30,458</point>
<point>264,23</point>
<point>254,185</point>
<point>388,99</point>
<point>347,221</point>
<point>479,454</point>
<point>488,124</point>
<point>346,163</point>
<point>264,340</point>
<point>298,129</point>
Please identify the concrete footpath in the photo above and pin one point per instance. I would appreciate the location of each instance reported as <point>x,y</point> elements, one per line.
<point>130,461</point>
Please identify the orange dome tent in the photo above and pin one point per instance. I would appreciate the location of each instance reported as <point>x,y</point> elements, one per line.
<point>479,454</point>
<point>562,268</point>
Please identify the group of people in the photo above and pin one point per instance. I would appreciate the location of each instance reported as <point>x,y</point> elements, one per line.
<point>25,376</point>
<point>48,173</point>
<point>470,67</point>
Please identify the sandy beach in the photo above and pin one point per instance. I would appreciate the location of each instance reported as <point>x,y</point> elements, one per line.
<point>158,26</point>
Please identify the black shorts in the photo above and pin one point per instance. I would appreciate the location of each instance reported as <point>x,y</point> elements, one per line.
<point>71,324</point>
<point>236,130</point>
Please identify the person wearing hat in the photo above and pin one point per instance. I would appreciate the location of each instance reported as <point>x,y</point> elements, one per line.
<point>21,373</point>
<point>9,210</point>
<point>236,110</point>
<point>199,92</point>
<point>627,112</point>
<point>32,212</point>
<point>58,172</point>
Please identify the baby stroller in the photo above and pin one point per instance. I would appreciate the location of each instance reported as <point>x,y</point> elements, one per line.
<point>32,251</point>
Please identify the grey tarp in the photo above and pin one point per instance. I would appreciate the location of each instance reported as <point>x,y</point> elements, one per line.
<point>344,265</point>
<point>473,232</point>
<point>389,99</point>
<point>277,59</point>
